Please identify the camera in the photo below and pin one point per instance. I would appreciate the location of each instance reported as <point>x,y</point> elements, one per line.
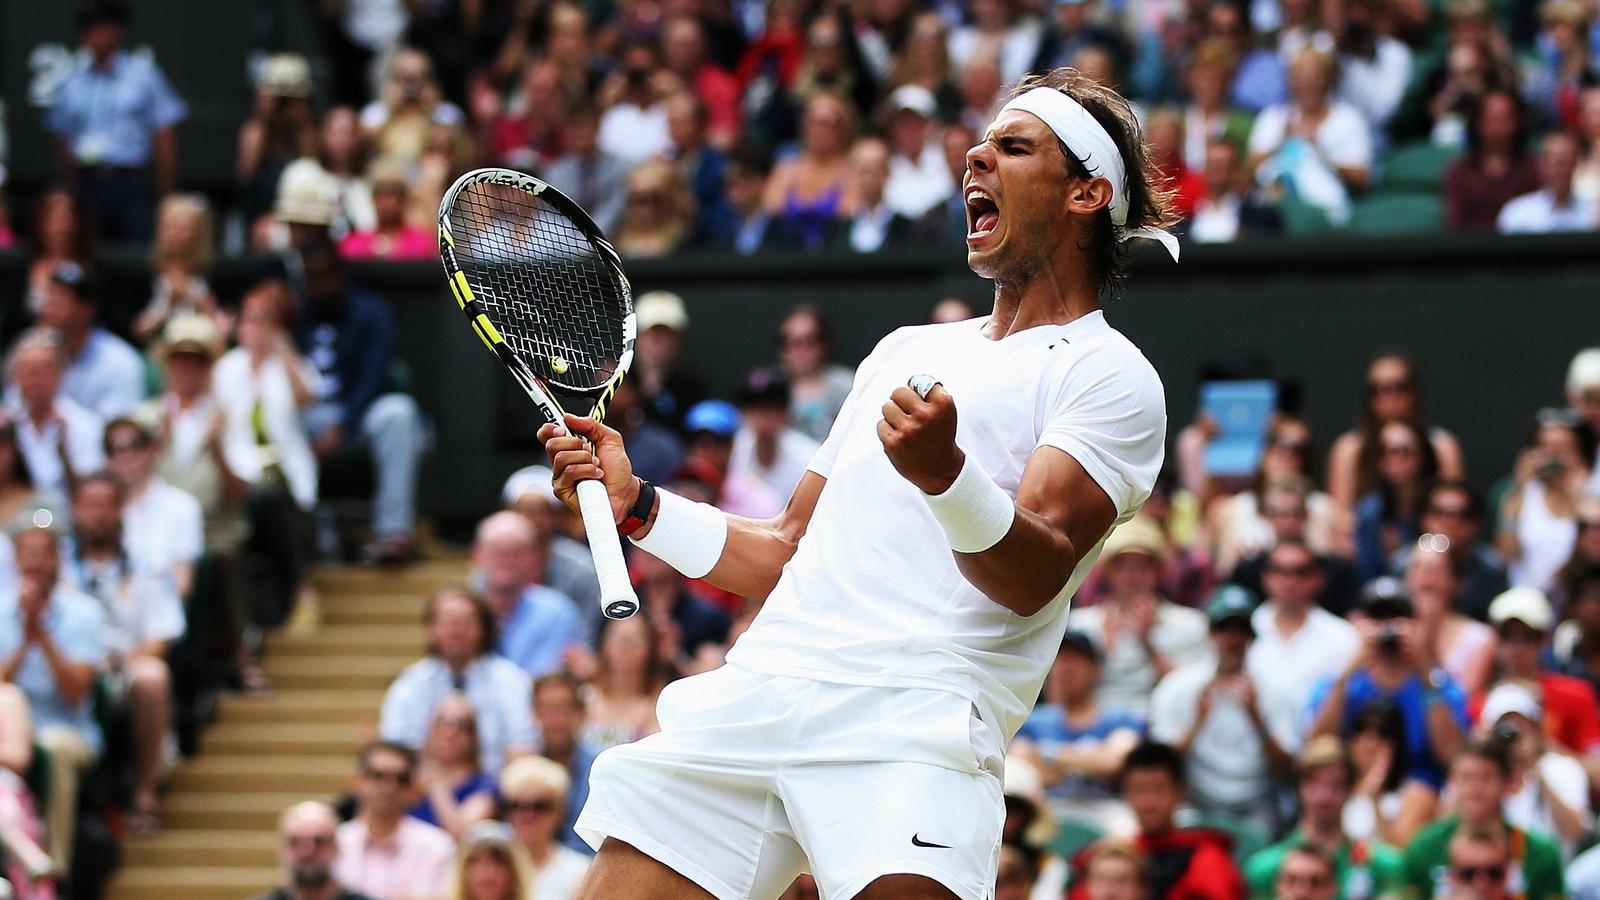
<point>1552,468</point>
<point>1506,733</point>
<point>1388,639</point>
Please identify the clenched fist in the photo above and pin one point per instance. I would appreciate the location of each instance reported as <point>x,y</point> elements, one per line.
<point>919,437</point>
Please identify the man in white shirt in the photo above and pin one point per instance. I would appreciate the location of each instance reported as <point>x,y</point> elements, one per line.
<point>104,373</point>
<point>1374,68</point>
<point>919,180</point>
<point>1298,643</point>
<point>634,128</point>
<point>163,526</point>
<point>1553,207</point>
<point>917,581</point>
<point>58,438</point>
<point>766,448</point>
<point>1235,729</point>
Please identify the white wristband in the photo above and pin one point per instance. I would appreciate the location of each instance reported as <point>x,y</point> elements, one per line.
<point>974,512</point>
<point>686,535</point>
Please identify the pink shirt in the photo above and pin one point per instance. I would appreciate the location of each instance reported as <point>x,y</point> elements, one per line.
<point>407,243</point>
<point>416,861</point>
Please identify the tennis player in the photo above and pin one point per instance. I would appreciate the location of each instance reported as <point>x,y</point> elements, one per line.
<point>917,583</point>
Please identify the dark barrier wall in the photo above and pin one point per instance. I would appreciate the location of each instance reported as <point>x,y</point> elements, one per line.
<point>1493,323</point>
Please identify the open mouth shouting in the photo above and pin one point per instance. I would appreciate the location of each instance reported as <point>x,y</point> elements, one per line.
<point>983,214</point>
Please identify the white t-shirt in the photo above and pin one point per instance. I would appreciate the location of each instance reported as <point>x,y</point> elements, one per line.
<point>1319,650</point>
<point>140,606</point>
<point>1537,213</point>
<point>1227,758</point>
<point>1527,809</point>
<point>163,527</point>
<point>794,454</point>
<point>1343,138</point>
<point>1180,635</point>
<point>916,186</point>
<point>634,133</point>
<point>560,877</point>
<point>872,594</point>
<point>84,445</point>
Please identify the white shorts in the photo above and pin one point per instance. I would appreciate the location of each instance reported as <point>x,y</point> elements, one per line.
<point>754,779</point>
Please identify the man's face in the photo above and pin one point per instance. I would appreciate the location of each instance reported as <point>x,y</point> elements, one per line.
<point>1558,160</point>
<point>682,46</point>
<point>1292,576</point>
<point>324,277</point>
<point>1304,877</point>
<point>683,123</point>
<point>455,632</point>
<point>102,38</point>
<point>765,420</point>
<point>1114,878</point>
<point>744,188</point>
<point>64,311</point>
<point>713,448</point>
<point>1449,512</point>
<point>130,454</point>
<point>1519,649</point>
<point>659,345</point>
<point>1231,638</point>
<point>869,167</point>
<point>384,783</point>
<point>96,514</point>
<point>1323,792</point>
<point>558,712</point>
<point>1478,787</point>
<point>908,132</point>
<point>37,556</point>
<point>1479,868</point>
<point>1222,168</point>
<point>507,560</point>
<point>1153,796</point>
<point>37,373</point>
<point>308,850</point>
<point>1130,574</point>
<point>1021,167</point>
<point>188,373</point>
<point>1073,676</point>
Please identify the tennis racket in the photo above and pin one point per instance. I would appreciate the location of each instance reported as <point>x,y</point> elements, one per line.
<point>544,290</point>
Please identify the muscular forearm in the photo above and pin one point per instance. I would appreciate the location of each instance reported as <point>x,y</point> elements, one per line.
<point>72,678</point>
<point>1331,716</point>
<point>1027,569</point>
<point>1444,733</point>
<point>753,558</point>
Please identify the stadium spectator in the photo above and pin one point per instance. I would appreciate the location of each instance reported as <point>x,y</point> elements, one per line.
<point>1583,395</point>
<point>307,210</point>
<point>712,426</point>
<point>1298,643</point>
<point>163,527</point>
<point>525,130</point>
<point>830,63</point>
<point>342,155</point>
<point>1565,64</point>
<point>998,30</point>
<point>1359,867</point>
<point>1496,166</point>
<point>1523,619</point>
<point>658,217</point>
<point>455,792</point>
<point>918,178</point>
<point>1539,514</point>
<point>1396,667</point>
<point>629,674</point>
<point>410,104</point>
<point>1141,635</point>
<point>558,709</point>
<point>1475,64</point>
<point>1583,875</point>
<point>1305,874</point>
<point>306,852</point>
<point>1235,730</point>
<point>122,156</point>
<point>1241,525</point>
<point>1227,208</point>
<point>1164,134</point>
<point>666,388</point>
<point>950,309</point>
<point>27,869</point>
<point>537,624</point>
<point>1284,507</point>
<point>348,335</point>
<point>924,61</point>
<point>685,53</point>
<point>1575,649</point>
<point>1210,116</point>
<point>654,448</point>
<point>1549,790</point>
<point>1014,876</point>
<point>1078,747</point>
<point>1585,547</point>
<point>281,129</point>
<point>51,641</point>
<point>461,659</point>
<point>980,88</point>
<point>1586,181</point>
<point>60,233</point>
<point>568,564</point>
<point>743,224</point>
<point>766,448</point>
<point>874,224</point>
<point>1462,646</point>
<point>1453,509</point>
<point>1315,145</point>
<point>691,626</point>
<point>1480,780</point>
<point>1480,865</point>
<point>1116,871</point>
<point>58,438</point>
<point>1374,66</point>
<point>1386,516</point>
<point>1553,207</point>
<point>143,616</point>
<point>391,236</point>
<point>1393,392</point>
<point>633,127</point>
<point>1386,804</point>
<point>1078,24</point>
<point>382,851</point>
<point>591,175</point>
<point>1183,862</point>
<point>701,166</point>
<point>491,865</point>
<point>810,191</point>
<point>180,257</point>
<point>1260,79</point>
<point>817,385</point>
<point>952,216</point>
<point>104,374</point>
<point>534,794</point>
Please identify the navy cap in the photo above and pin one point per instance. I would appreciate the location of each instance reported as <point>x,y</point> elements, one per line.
<point>1231,601</point>
<point>1080,643</point>
<point>1385,598</point>
<point>719,417</point>
<point>72,275</point>
<point>766,387</point>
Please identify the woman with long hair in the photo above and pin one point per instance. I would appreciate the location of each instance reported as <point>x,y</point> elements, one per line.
<point>1385,805</point>
<point>1496,166</point>
<point>1393,392</point>
<point>1585,552</point>
<point>282,129</point>
<point>491,866</point>
<point>344,153</point>
<point>809,191</point>
<point>659,214</point>
<point>817,385</point>
<point>1459,644</point>
<point>533,793</point>
<point>456,794</point>
<point>1238,524</point>
<point>1386,516</point>
<point>1315,146</point>
<point>180,256</point>
<point>61,233</point>
<point>1539,515</point>
<point>629,676</point>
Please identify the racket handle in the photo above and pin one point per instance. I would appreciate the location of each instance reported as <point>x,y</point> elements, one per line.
<point>617,599</point>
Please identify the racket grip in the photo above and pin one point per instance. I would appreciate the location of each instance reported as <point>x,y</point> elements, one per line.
<point>617,599</point>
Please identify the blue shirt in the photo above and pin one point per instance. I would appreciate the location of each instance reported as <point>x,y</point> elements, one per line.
<point>75,623</point>
<point>541,628</point>
<point>1421,762</point>
<point>110,116</point>
<point>1261,81</point>
<point>107,377</point>
<point>1047,726</point>
<point>501,696</point>
<point>477,784</point>
<point>582,761</point>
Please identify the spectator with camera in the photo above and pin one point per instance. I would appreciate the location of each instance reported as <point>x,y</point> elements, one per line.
<point>1463,647</point>
<point>1549,793</point>
<point>1523,619</point>
<point>383,851</point>
<point>1539,515</point>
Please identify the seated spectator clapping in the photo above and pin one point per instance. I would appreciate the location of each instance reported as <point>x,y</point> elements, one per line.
<point>58,438</point>
<point>456,794</point>
<point>461,659</point>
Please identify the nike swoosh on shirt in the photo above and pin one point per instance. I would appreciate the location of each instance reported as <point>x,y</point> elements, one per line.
<point>917,841</point>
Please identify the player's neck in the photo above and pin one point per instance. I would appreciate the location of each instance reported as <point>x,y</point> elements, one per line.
<point>1052,295</point>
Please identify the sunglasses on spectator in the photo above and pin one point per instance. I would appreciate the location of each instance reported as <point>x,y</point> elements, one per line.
<point>318,841</point>
<point>539,807</point>
<point>1293,446</point>
<point>1402,386</point>
<point>399,779</point>
<point>1585,524</point>
<point>1305,571</point>
<point>464,723</point>
<point>1399,449</point>
<point>1275,512</point>
<point>1474,873</point>
<point>127,446</point>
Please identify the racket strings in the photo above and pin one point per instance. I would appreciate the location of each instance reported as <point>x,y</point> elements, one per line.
<point>541,282</point>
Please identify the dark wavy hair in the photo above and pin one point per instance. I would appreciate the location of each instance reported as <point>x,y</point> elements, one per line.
<point>1149,199</point>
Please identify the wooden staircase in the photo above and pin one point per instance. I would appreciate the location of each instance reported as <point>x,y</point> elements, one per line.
<point>221,808</point>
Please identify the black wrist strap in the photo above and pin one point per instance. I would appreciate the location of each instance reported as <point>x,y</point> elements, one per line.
<point>635,518</point>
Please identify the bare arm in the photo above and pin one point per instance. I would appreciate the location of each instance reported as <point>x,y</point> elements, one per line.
<point>1100,760</point>
<point>73,678</point>
<point>166,160</point>
<point>66,162</point>
<point>16,730</point>
<point>1418,802</point>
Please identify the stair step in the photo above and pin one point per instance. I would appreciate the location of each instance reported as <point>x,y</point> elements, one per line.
<point>229,811</point>
<point>297,739</point>
<point>374,610</point>
<point>418,580</point>
<point>306,705</point>
<point>193,882</point>
<point>405,640</point>
<point>203,847</point>
<point>311,775</point>
<point>335,671</point>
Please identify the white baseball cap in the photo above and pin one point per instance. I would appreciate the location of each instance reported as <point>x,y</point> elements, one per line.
<point>1511,697</point>
<point>661,308</point>
<point>1525,604</point>
<point>537,480</point>
<point>916,98</point>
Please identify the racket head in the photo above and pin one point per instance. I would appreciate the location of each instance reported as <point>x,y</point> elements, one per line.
<point>542,286</point>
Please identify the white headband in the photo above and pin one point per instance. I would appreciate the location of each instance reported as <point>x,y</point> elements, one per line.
<point>1088,140</point>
